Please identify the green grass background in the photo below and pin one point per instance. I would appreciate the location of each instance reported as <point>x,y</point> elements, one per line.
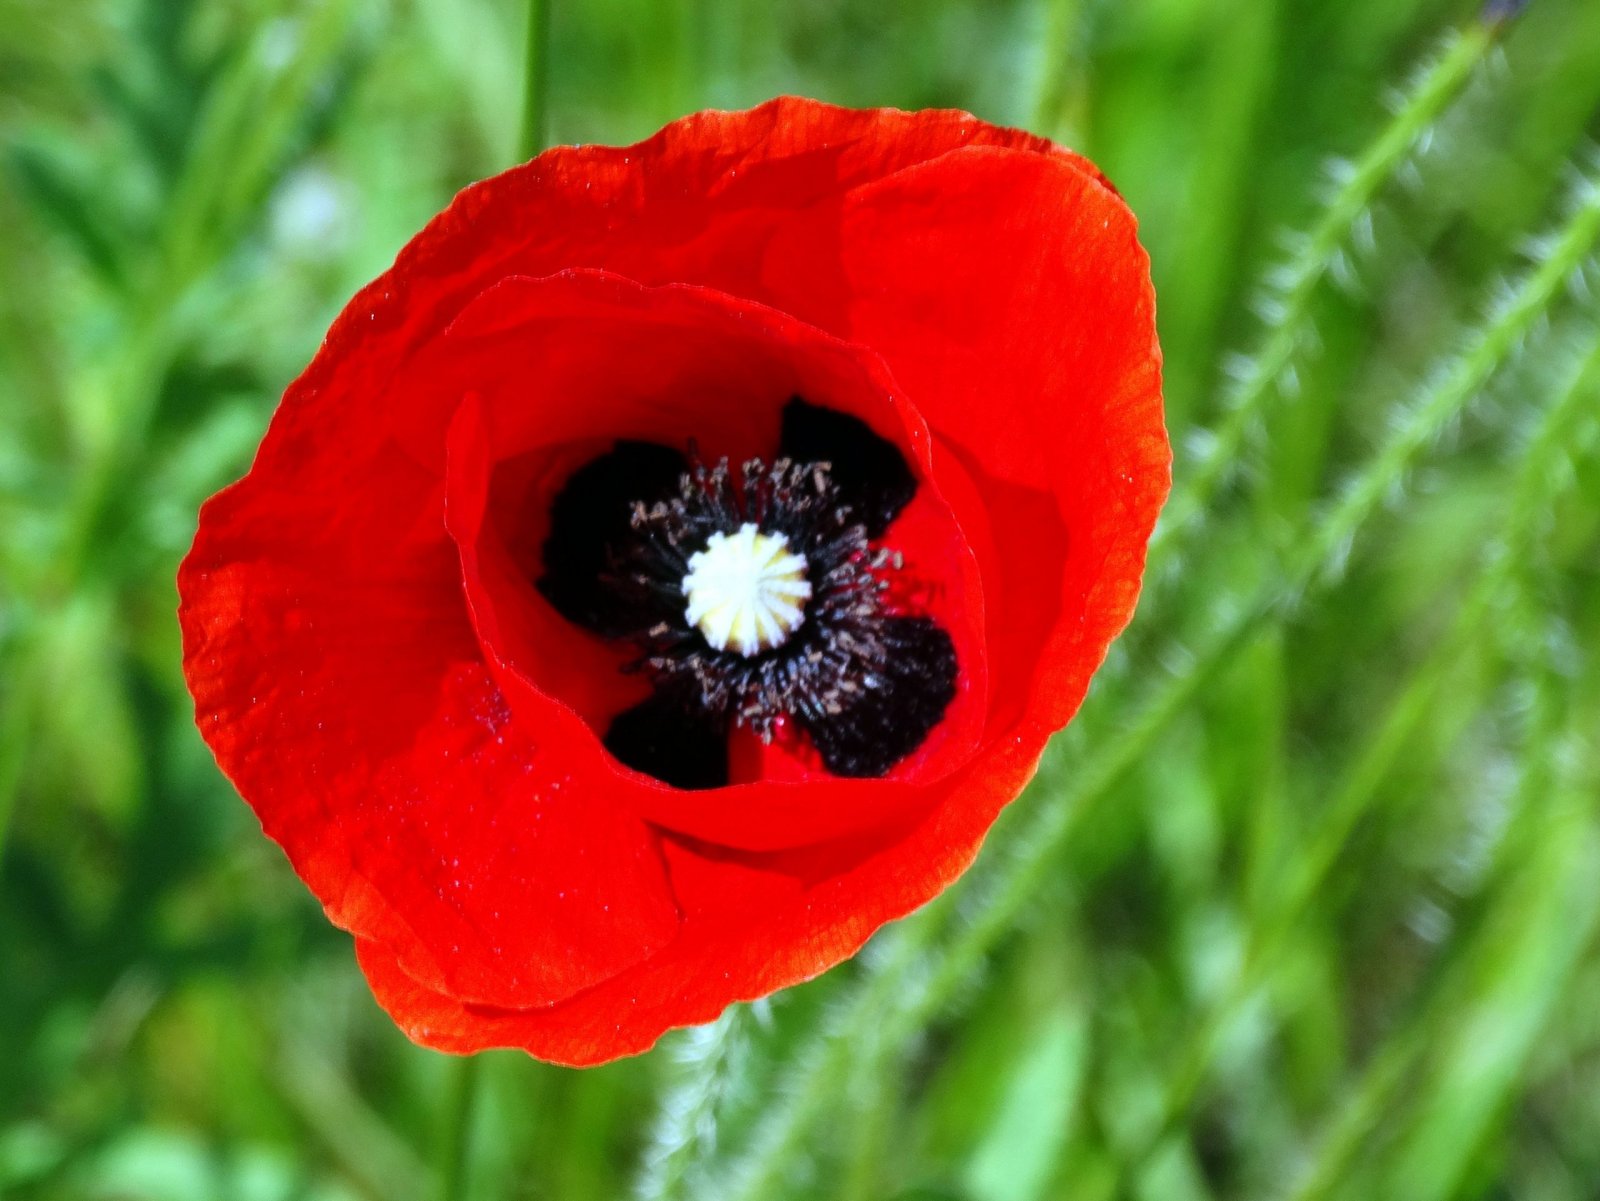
<point>1306,904</point>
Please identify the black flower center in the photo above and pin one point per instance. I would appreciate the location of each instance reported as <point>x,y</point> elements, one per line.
<point>753,596</point>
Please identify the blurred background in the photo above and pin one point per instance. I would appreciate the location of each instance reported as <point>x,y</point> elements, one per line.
<point>1306,904</point>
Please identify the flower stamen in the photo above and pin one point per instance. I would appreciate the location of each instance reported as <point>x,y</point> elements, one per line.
<point>756,599</point>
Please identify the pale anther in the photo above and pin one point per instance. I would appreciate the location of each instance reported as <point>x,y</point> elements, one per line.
<point>746,590</point>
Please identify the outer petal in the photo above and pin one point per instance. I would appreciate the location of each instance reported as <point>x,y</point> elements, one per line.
<point>697,203</point>
<point>339,683</point>
<point>1009,294</point>
<point>753,924</point>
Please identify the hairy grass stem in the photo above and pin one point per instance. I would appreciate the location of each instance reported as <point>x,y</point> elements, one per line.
<point>1286,306</point>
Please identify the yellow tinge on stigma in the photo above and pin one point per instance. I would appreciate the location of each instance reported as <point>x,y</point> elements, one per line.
<point>746,590</point>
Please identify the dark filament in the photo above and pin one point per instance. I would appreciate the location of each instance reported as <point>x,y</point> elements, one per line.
<point>836,653</point>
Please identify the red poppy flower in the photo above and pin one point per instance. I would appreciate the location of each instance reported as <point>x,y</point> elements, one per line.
<point>667,570</point>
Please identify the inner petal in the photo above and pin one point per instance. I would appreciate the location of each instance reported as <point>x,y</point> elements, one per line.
<point>560,370</point>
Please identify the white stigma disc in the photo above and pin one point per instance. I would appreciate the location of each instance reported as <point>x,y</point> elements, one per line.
<point>746,590</point>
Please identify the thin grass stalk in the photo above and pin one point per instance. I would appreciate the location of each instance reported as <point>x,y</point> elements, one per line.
<point>533,133</point>
<point>128,383</point>
<point>338,1121</point>
<point>247,114</point>
<point>17,721</point>
<point>1294,285</point>
<point>1493,1062</point>
<point>1372,1102</point>
<point>1056,92</point>
<point>455,1160</point>
<point>1319,548</point>
<point>868,1111</point>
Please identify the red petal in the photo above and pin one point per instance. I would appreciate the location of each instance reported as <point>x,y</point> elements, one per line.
<point>752,925</point>
<point>1010,296</point>
<point>338,681</point>
<point>612,360</point>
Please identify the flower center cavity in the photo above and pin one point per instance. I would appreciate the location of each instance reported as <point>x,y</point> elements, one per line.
<point>756,596</point>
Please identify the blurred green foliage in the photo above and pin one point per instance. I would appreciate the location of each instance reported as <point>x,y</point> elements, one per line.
<point>1307,902</point>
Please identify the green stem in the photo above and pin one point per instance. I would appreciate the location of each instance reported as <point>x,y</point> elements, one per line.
<point>1061,91</point>
<point>824,1065</point>
<point>455,1162</point>
<point>16,734</point>
<point>533,134</point>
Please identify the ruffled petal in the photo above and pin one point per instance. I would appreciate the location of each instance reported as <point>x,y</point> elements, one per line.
<point>682,360</point>
<point>338,680</point>
<point>752,924</point>
<point>697,203</point>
